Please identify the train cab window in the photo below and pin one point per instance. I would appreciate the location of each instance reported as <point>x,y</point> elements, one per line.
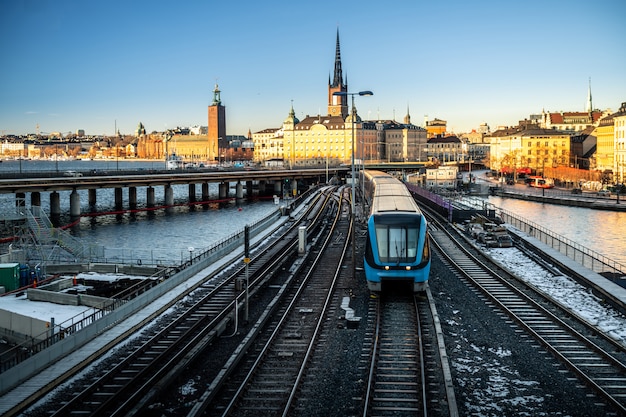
<point>397,243</point>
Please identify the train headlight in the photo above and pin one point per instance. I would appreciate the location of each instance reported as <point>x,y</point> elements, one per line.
<point>386,267</point>
<point>408,267</point>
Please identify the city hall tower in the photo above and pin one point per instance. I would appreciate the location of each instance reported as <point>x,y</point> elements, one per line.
<point>217,127</point>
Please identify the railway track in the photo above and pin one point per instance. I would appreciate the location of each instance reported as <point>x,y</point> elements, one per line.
<point>595,359</point>
<point>397,382</point>
<point>129,385</point>
<point>409,372</point>
<point>266,380</point>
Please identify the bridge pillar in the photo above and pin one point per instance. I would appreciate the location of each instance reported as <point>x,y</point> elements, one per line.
<point>118,199</point>
<point>132,198</point>
<point>169,196</point>
<point>249,188</point>
<point>55,204</point>
<point>74,204</point>
<point>262,185</point>
<point>150,200</point>
<point>192,193</point>
<point>278,188</point>
<point>20,199</point>
<point>239,193</point>
<point>35,199</point>
<point>205,191</point>
<point>223,190</point>
<point>92,197</point>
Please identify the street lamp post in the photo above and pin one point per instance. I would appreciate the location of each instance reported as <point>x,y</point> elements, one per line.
<point>352,205</point>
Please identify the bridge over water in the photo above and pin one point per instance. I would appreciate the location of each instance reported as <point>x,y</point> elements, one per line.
<point>265,181</point>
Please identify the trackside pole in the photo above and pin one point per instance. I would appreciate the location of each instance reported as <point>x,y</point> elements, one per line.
<point>246,260</point>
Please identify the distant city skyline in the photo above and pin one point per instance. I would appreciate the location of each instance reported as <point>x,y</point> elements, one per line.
<point>72,65</point>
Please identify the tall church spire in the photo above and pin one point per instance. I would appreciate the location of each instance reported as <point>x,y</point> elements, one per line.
<point>338,76</point>
<point>337,105</point>
<point>589,102</point>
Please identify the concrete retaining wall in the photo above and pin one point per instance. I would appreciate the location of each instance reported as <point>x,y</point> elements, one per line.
<point>102,268</point>
<point>18,328</point>
<point>36,294</point>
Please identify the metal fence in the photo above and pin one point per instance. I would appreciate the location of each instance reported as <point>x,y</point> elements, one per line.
<point>586,257</point>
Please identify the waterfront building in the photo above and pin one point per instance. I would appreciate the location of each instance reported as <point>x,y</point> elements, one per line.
<point>529,147</point>
<point>445,149</point>
<point>268,145</point>
<point>605,144</point>
<point>619,135</point>
<point>583,146</point>
<point>12,149</point>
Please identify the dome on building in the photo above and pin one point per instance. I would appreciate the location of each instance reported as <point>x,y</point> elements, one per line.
<point>291,119</point>
<point>141,130</point>
<point>349,118</point>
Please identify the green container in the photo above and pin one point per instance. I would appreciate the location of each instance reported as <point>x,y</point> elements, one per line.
<point>10,276</point>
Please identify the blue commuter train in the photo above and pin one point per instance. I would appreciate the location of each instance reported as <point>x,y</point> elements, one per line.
<point>398,246</point>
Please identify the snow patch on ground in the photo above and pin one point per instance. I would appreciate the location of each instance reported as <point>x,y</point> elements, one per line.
<point>565,290</point>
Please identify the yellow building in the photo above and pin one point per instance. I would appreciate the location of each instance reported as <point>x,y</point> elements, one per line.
<point>529,147</point>
<point>605,144</point>
<point>192,148</point>
<point>436,127</point>
<point>619,135</point>
<point>268,145</point>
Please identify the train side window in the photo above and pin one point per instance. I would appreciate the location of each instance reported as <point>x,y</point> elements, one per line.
<point>412,237</point>
<point>382,242</point>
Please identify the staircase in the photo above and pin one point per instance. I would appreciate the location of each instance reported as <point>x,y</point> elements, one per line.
<point>48,238</point>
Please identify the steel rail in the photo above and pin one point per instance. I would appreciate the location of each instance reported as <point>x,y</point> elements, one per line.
<point>260,356</point>
<point>490,283</point>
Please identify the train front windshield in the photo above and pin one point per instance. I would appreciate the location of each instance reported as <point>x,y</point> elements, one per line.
<point>397,242</point>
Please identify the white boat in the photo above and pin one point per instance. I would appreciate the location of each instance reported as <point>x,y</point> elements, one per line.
<point>174,161</point>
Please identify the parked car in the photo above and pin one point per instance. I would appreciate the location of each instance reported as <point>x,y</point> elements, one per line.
<point>604,193</point>
<point>72,174</point>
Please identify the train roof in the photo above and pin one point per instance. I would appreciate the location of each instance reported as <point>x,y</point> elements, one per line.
<point>390,195</point>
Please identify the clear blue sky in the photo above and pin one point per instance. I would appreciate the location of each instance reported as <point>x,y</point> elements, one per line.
<point>94,65</point>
